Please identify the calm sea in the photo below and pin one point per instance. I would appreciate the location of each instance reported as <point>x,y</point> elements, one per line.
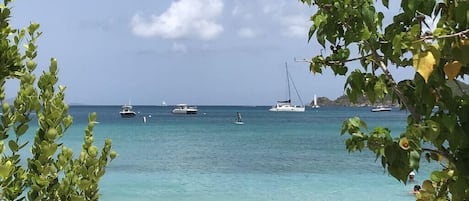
<point>272,157</point>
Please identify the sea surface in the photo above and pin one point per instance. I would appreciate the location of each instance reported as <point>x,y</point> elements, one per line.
<point>272,157</point>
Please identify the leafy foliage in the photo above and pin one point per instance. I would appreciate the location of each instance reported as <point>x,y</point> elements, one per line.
<point>51,173</point>
<point>438,112</point>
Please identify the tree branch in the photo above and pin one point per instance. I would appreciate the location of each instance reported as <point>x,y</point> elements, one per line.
<point>431,37</point>
<point>444,153</point>
<point>332,62</point>
<point>379,61</point>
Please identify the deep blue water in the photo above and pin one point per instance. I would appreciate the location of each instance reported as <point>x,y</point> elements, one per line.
<point>206,157</point>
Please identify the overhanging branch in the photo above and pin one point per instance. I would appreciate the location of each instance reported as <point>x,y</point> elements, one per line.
<point>332,62</point>
<point>432,37</point>
<point>393,85</point>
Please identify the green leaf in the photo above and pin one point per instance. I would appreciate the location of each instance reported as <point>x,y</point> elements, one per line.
<point>355,122</point>
<point>427,6</point>
<point>312,29</point>
<point>409,6</point>
<point>13,145</point>
<point>368,15</point>
<point>53,65</point>
<point>5,170</point>
<point>21,129</point>
<point>432,130</point>
<point>427,185</point>
<point>92,117</point>
<point>414,161</point>
<point>449,121</point>
<point>385,3</point>
<point>461,12</point>
<point>438,176</point>
<point>396,43</point>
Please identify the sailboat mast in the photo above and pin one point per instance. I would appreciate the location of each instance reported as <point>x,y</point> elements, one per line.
<point>288,82</point>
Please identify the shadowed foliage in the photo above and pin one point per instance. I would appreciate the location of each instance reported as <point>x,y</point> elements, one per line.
<point>362,48</point>
<point>51,172</point>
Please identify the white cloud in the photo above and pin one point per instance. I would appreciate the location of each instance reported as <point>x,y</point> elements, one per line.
<point>269,8</point>
<point>183,19</point>
<point>290,19</point>
<point>296,25</point>
<point>247,33</point>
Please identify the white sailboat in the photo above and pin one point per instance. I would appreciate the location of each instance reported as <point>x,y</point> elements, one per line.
<point>315,102</point>
<point>286,105</point>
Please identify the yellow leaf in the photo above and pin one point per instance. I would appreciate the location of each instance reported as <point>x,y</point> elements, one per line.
<point>424,63</point>
<point>464,42</point>
<point>452,69</point>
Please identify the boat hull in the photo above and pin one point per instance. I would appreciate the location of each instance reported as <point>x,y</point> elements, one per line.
<point>185,109</point>
<point>127,115</point>
<point>284,108</point>
<point>381,109</point>
<point>182,111</point>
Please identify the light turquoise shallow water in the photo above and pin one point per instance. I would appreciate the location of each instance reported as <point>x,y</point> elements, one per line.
<point>273,157</point>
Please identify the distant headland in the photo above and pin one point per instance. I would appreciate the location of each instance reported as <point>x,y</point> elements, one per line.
<point>457,87</point>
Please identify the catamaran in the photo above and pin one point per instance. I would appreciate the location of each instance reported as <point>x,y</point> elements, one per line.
<point>286,105</point>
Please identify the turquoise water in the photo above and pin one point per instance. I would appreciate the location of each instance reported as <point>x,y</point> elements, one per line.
<point>206,157</point>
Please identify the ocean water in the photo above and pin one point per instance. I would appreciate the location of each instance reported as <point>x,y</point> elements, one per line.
<point>272,157</point>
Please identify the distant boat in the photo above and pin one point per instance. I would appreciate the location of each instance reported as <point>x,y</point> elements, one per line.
<point>238,120</point>
<point>185,109</point>
<point>286,105</point>
<point>381,108</point>
<point>127,112</point>
<point>163,103</point>
<point>315,102</point>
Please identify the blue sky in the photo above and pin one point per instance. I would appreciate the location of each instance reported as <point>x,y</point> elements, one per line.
<point>203,52</point>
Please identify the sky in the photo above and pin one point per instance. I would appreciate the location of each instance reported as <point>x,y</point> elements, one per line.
<point>200,52</point>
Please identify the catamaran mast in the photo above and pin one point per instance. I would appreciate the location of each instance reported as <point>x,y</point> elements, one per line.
<point>289,78</point>
<point>288,82</point>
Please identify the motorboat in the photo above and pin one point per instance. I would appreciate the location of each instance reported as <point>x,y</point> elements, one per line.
<point>286,105</point>
<point>184,109</point>
<point>126,111</point>
<point>381,108</point>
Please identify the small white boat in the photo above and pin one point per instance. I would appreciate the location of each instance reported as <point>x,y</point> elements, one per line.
<point>381,108</point>
<point>238,120</point>
<point>185,109</point>
<point>127,112</point>
<point>286,105</point>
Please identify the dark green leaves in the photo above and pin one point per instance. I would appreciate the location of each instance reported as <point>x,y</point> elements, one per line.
<point>357,26</point>
<point>385,3</point>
